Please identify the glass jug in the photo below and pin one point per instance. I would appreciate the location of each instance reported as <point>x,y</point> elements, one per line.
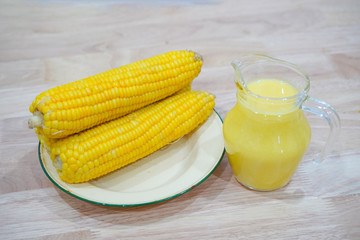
<point>266,133</point>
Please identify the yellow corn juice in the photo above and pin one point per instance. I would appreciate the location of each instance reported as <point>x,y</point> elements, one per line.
<point>265,141</point>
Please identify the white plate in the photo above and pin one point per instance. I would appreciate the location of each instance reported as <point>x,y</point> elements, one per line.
<point>165,174</point>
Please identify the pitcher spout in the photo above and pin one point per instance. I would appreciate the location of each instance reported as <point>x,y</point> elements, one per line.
<point>241,66</point>
<point>239,79</point>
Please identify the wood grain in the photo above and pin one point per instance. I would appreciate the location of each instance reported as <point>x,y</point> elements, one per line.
<point>47,43</point>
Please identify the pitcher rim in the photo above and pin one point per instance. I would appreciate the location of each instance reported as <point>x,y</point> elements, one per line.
<point>293,66</point>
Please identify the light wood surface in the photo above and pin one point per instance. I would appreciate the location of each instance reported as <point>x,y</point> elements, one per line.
<point>47,43</point>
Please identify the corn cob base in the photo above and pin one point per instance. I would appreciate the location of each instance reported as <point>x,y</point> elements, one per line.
<point>110,146</point>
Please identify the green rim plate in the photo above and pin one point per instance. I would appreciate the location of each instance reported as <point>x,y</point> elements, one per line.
<point>163,175</point>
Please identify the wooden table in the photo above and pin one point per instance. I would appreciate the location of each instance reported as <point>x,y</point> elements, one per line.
<point>47,43</point>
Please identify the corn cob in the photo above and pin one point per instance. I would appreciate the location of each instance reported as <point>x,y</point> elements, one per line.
<point>49,142</point>
<point>74,107</point>
<point>115,144</point>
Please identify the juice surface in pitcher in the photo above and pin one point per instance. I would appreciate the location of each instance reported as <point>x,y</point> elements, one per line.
<point>265,149</point>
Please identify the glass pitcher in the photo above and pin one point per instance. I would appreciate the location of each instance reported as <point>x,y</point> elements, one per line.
<point>266,133</point>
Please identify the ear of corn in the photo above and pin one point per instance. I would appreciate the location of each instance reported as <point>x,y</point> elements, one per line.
<point>74,107</point>
<point>110,146</point>
<point>48,142</point>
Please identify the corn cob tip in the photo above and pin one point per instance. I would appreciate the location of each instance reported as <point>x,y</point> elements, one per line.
<point>34,122</point>
<point>37,120</point>
<point>58,163</point>
<point>198,56</point>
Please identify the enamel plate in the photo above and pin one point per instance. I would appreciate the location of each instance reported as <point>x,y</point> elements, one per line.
<point>164,174</point>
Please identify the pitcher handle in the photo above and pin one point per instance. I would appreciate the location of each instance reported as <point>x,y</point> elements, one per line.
<point>327,112</point>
